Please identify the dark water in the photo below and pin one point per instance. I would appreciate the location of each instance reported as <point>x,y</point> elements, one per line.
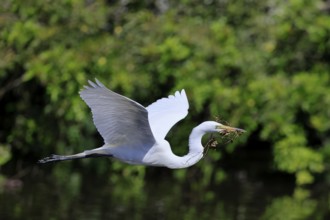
<point>247,192</point>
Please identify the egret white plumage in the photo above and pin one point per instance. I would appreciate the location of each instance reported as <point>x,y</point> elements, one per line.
<point>135,134</point>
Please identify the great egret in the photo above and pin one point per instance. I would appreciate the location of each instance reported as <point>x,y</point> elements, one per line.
<point>135,134</point>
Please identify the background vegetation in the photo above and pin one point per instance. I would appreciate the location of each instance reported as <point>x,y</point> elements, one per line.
<point>260,65</point>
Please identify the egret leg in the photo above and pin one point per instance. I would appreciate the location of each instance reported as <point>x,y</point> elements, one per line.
<point>98,152</point>
<point>55,158</point>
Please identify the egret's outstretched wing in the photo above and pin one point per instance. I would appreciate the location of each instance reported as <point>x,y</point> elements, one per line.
<point>119,120</point>
<point>166,112</point>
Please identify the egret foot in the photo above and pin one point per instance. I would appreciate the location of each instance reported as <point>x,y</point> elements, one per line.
<point>52,158</point>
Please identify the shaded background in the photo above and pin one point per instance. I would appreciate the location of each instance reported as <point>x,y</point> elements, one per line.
<point>259,65</point>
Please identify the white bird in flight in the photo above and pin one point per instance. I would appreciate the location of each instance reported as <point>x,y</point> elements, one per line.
<point>135,134</point>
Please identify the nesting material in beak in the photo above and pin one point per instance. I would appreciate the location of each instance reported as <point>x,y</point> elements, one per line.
<point>227,133</point>
<point>230,133</point>
<point>227,130</point>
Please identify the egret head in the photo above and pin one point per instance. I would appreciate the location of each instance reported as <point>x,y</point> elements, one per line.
<point>226,132</point>
<point>216,127</point>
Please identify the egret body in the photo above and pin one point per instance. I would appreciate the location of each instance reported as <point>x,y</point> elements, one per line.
<point>135,134</point>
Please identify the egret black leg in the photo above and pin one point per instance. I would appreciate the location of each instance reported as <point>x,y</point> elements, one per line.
<point>99,152</point>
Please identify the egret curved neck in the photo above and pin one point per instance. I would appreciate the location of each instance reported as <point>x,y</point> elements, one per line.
<point>195,153</point>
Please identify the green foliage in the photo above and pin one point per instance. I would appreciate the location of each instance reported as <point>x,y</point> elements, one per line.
<point>5,155</point>
<point>260,65</point>
<point>292,155</point>
<point>289,208</point>
<point>299,206</point>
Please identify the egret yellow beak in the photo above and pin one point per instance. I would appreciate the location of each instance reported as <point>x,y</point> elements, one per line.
<point>227,129</point>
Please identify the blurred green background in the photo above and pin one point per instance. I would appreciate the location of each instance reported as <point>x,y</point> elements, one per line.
<point>260,65</point>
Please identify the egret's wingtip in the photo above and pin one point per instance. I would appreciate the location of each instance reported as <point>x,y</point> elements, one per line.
<point>92,84</point>
<point>99,83</point>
